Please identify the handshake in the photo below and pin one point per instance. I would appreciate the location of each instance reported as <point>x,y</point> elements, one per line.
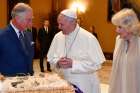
<point>64,63</point>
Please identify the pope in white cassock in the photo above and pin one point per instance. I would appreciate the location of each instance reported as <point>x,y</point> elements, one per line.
<point>76,54</point>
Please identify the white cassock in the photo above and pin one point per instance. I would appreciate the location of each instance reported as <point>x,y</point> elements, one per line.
<point>83,48</point>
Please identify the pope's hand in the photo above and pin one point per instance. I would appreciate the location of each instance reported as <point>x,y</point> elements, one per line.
<point>65,63</point>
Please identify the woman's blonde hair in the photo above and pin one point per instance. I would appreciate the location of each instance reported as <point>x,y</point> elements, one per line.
<point>127,19</point>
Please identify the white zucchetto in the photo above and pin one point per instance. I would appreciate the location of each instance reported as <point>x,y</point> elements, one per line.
<point>69,13</point>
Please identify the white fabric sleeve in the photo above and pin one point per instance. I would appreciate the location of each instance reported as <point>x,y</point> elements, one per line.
<point>93,61</point>
<point>52,57</point>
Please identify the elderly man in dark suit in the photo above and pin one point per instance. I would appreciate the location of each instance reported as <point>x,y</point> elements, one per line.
<point>16,46</point>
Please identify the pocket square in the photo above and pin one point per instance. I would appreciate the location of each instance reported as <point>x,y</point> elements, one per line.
<point>32,43</point>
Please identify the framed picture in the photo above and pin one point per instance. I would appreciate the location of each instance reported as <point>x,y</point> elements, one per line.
<point>110,10</point>
<point>116,5</point>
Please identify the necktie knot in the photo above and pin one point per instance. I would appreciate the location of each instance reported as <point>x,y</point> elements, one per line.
<point>46,29</point>
<point>20,35</point>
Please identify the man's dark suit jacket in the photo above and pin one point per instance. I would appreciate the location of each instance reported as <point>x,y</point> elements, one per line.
<point>13,58</point>
<point>45,39</point>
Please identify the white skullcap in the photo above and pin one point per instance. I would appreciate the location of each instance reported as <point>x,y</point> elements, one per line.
<point>127,19</point>
<point>69,13</point>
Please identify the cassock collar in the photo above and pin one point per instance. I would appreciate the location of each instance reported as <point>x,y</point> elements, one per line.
<point>72,34</point>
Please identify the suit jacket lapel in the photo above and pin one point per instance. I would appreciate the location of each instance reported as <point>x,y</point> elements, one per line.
<point>14,38</point>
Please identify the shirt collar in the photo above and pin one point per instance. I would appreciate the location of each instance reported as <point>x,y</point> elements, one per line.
<point>15,29</point>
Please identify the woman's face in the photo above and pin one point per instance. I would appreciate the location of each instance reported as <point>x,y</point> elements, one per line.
<point>123,32</point>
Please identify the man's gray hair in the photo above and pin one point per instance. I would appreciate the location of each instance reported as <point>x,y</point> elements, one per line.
<point>20,8</point>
